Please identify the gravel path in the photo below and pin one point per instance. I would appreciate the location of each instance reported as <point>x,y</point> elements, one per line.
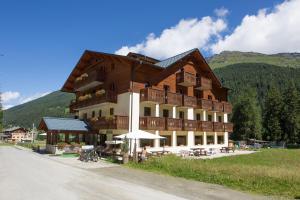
<point>27,175</point>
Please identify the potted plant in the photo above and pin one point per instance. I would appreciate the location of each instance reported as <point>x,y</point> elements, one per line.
<point>125,149</point>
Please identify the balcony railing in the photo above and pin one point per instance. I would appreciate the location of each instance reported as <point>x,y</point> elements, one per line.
<point>217,106</point>
<point>218,126</point>
<point>205,126</point>
<point>228,127</point>
<point>189,125</point>
<point>91,79</point>
<point>185,79</point>
<point>149,94</point>
<point>189,101</point>
<point>152,123</point>
<point>94,99</point>
<point>204,104</point>
<point>203,83</point>
<point>173,99</point>
<point>173,124</point>
<point>227,107</point>
<point>116,122</point>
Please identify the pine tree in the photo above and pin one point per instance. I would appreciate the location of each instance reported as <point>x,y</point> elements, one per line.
<point>1,115</point>
<point>247,117</point>
<point>272,115</point>
<point>291,115</point>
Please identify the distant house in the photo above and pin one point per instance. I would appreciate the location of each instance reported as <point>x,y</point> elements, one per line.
<point>179,98</point>
<point>16,134</point>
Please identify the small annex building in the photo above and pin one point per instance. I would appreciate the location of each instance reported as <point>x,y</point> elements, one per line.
<point>63,130</point>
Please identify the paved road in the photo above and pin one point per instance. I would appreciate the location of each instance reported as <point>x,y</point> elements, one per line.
<point>27,175</point>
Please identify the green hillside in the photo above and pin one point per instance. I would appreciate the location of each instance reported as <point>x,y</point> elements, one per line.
<point>53,104</point>
<point>237,77</point>
<point>226,58</point>
<point>260,76</point>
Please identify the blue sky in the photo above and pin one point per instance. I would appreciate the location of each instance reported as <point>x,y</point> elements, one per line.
<point>41,41</point>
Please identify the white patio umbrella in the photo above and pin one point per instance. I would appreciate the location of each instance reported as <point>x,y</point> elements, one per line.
<point>43,134</point>
<point>139,134</point>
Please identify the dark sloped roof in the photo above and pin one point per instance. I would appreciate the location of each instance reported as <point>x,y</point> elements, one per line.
<point>65,124</point>
<point>169,61</point>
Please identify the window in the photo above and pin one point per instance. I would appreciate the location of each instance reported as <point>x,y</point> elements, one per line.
<point>181,140</point>
<point>146,143</point>
<point>198,116</point>
<point>112,87</point>
<point>166,87</point>
<point>198,140</point>
<point>220,139</point>
<point>85,116</point>
<point>219,118</point>
<point>93,114</point>
<point>147,84</point>
<point>165,113</point>
<point>209,118</point>
<point>111,111</point>
<point>209,97</point>
<point>210,139</point>
<point>100,113</point>
<point>167,141</point>
<point>181,114</point>
<point>147,111</point>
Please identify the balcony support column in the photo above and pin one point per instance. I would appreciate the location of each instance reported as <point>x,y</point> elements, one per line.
<point>226,139</point>
<point>174,139</point>
<point>191,139</point>
<point>174,112</point>
<point>204,116</point>
<point>225,118</point>
<point>215,117</point>
<point>156,141</point>
<point>204,139</point>
<point>216,138</point>
<point>134,114</point>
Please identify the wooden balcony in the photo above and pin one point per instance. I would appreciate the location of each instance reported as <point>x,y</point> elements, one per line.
<point>189,125</point>
<point>228,127</point>
<point>108,97</point>
<point>217,106</point>
<point>185,79</point>
<point>189,101</point>
<point>173,99</point>
<point>203,83</point>
<point>174,124</point>
<point>152,123</point>
<point>227,107</point>
<point>116,122</point>
<point>205,126</point>
<point>89,80</point>
<point>204,104</point>
<point>149,94</point>
<point>218,126</point>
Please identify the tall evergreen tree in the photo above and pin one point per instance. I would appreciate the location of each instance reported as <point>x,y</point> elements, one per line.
<point>272,115</point>
<point>246,117</point>
<point>291,115</point>
<point>1,115</point>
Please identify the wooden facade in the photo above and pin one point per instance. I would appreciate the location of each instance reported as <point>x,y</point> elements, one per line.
<point>189,82</point>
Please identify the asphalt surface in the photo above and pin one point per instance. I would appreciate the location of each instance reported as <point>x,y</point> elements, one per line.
<point>28,176</point>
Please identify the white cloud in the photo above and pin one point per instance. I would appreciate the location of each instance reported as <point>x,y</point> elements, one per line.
<point>221,12</point>
<point>267,32</point>
<point>10,99</point>
<point>187,34</point>
<point>33,97</point>
<point>8,96</point>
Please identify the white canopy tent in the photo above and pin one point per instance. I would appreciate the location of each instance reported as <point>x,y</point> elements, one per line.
<point>139,134</point>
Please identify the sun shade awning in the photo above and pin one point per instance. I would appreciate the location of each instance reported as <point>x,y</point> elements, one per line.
<point>139,134</point>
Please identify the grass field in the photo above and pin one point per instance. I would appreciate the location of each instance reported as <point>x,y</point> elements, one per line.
<point>273,172</point>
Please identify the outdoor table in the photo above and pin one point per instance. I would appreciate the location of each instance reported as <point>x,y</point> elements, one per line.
<point>201,150</point>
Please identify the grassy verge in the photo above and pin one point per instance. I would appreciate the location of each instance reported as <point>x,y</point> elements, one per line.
<point>269,172</point>
<point>30,145</point>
